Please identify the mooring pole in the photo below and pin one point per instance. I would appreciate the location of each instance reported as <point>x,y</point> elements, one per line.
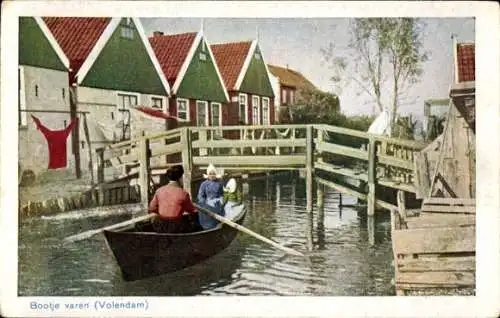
<point>371,177</point>
<point>144,172</point>
<point>187,159</point>
<point>309,180</point>
<point>320,202</point>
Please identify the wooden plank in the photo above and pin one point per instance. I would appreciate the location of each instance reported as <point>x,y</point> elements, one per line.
<point>283,161</point>
<point>395,162</point>
<point>341,188</point>
<point>448,209</point>
<point>385,205</point>
<point>460,263</point>
<point>363,176</point>
<point>250,143</point>
<point>408,187</point>
<point>342,150</point>
<point>450,201</point>
<point>402,206</point>
<point>435,240</point>
<point>166,150</point>
<point>344,131</point>
<point>429,220</point>
<point>436,278</point>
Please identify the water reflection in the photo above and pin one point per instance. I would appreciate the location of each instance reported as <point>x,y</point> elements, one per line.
<point>341,259</point>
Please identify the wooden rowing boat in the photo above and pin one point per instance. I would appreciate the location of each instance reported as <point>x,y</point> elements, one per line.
<point>140,252</point>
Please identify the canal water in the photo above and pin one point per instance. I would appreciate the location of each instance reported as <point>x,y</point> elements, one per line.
<point>342,261</point>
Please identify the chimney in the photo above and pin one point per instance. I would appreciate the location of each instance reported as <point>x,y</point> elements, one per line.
<point>157,33</point>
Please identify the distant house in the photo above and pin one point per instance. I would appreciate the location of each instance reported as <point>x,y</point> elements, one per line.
<point>435,111</point>
<point>113,68</point>
<point>286,85</point>
<point>198,91</point>
<point>463,90</point>
<point>247,81</point>
<point>43,85</point>
<point>454,151</point>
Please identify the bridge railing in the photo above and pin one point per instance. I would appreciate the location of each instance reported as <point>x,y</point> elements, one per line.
<point>360,155</point>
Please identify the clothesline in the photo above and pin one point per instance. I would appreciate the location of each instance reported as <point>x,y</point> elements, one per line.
<point>52,111</point>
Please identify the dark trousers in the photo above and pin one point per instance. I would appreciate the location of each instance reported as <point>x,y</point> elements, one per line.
<point>188,223</point>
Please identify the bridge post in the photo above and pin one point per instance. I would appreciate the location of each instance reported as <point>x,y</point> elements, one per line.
<point>187,159</point>
<point>371,176</point>
<point>309,167</point>
<point>144,173</point>
<point>320,198</point>
<point>100,174</point>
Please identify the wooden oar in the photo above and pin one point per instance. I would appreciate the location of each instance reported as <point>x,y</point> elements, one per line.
<point>86,235</point>
<point>247,231</point>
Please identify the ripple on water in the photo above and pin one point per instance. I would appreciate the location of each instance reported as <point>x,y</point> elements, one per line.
<point>342,262</point>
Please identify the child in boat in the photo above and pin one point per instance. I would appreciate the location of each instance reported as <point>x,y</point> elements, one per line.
<point>210,196</point>
<point>170,202</point>
<point>232,196</point>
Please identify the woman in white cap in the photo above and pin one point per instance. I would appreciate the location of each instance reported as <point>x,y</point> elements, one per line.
<point>210,195</point>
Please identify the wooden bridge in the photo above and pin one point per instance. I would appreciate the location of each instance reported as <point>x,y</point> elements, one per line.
<point>330,153</point>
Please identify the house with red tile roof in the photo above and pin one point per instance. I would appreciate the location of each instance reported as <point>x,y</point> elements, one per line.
<point>43,86</point>
<point>287,83</point>
<point>246,76</point>
<point>112,68</point>
<point>198,92</point>
<point>463,90</point>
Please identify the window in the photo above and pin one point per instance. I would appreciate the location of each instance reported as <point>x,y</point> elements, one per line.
<point>265,111</point>
<point>216,117</point>
<point>203,56</point>
<point>182,109</point>
<point>283,96</point>
<point>292,97</point>
<point>157,103</point>
<point>36,90</point>
<point>257,56</point>
<point>201,113</point>
<point>127,30</point>
<point>23,116</point>
<point>125,102</point>
<point>255,110</point>
<point>63,93</point>
<point>242,109</point>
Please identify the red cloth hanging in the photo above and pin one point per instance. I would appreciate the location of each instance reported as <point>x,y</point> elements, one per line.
<point>56,140</point>
<point>154,112</point>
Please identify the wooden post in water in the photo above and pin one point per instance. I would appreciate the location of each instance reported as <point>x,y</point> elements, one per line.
<point>371,229</point>
<point>100,174</point>
<point>144,170</point>
<point>320,199</point>
<point>371,176</point>
<point>187,159</point>
<point>309,183</point>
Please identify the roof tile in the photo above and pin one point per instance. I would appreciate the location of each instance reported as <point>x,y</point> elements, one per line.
<point>466,62</point>
<point>230,58</point>
<point>171,51</point>
<point>289,77</point>
<point>76,36</point>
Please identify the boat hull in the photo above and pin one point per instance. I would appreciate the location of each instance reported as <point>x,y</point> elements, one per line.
<point>146,254</point>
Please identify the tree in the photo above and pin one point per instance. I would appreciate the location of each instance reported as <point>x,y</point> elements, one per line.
<point>381,52</point>
<point>313,105</point>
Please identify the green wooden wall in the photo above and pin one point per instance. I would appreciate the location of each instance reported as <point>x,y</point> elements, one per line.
<point>201,81</point>
<point>256,80</point>
<point>125,65</point>
<point>34,48</point>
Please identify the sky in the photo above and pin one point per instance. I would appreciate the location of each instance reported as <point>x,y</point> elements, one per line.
<point>297,42</point>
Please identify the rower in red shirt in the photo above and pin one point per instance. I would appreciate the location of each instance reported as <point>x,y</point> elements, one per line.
<point>170,202</point>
